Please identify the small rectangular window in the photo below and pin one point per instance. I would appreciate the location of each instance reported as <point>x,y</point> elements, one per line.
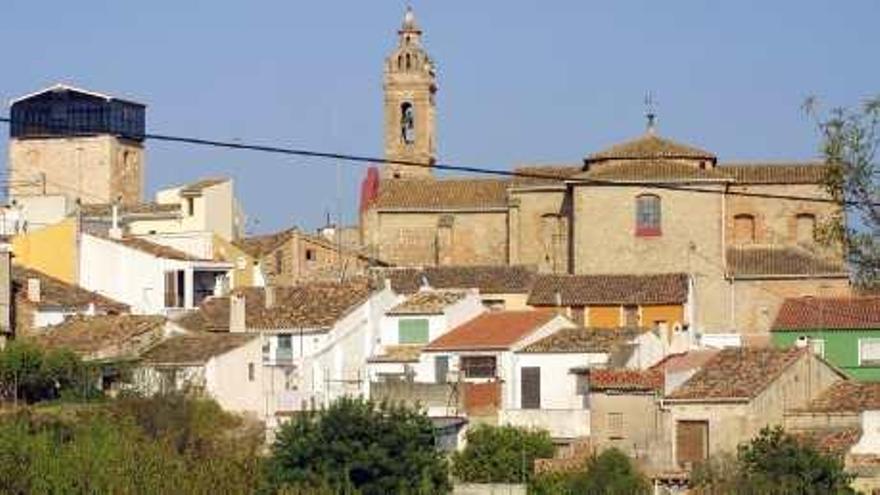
<point>310,255</point>
<point>615,425</point>
<point>252,372</point>
<point>648,215</point>
<point>630,316</point>
<point>478,366</point>
<point>869,352</point>
<point>412,331</point>
<point>190,206</point>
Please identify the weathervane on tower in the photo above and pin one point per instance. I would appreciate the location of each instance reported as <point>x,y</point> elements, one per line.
<point>650,111</point>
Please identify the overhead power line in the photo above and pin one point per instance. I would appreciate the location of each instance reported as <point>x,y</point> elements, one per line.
<point>237,145</point>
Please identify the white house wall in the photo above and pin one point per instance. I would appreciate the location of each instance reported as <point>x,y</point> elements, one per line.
<point>227,380</point>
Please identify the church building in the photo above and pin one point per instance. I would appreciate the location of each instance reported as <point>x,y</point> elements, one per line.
<point>648,205</point>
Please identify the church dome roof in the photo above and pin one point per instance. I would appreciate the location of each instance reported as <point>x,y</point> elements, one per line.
<point>648,147</point>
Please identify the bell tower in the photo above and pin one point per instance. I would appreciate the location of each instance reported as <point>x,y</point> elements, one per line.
<point>410,86</point>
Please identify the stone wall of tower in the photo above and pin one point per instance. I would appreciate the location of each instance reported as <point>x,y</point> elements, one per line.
<point>96,169</point>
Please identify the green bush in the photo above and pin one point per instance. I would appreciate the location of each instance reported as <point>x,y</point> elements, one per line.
<point>609,473</point>
<point>356,446</point>
<point>501,454</point>
<point>31,374</point>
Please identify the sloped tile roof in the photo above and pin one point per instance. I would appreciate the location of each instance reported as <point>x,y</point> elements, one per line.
<point>398,354</point>
<point>847,396</point>
<point>260,245</point>
<point>441,194</point>
<point>757,261</point>
<point>649,146</point>
<point>200,185</point>
<point>842,313</point>
<point>737,374</point>
<point>493,330</point>
<point>105,210</point>
<point>650,170</point>
<point>59,294</point>
<point>581,339</point>
<point>427,302</point>
<point>496,279</point>
<point>211,316</point>
<point>774,173</point>
<point>685,361</point>
<point>154,249</point>
<point>831,441</point>
<point>626,380</point>
<point>585,290</point>
<point>116,335</point>
<point>544,174</point>
<point>197,348</point>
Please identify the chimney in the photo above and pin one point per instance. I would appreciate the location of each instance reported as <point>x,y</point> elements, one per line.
<point>269,297</point>
<point>115,231</point>
<point>237,312</point>
<point>33,290</point>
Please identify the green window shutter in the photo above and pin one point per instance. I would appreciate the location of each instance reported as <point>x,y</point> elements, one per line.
<point>413,331</point>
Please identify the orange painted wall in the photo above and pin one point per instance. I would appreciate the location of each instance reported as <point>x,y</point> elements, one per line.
<point>603,316</point>
<point>668,313</point>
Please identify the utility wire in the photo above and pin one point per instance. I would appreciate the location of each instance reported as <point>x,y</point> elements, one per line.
<point>237,145</point>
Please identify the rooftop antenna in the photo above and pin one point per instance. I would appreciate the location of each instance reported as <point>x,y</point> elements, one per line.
<point>650,111</point>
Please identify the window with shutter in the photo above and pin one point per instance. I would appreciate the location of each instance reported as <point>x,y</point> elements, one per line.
<point>691,442</point>
<point>630,316</point>
<point>869,352</point>
<point>648,215</point>
<point>478,366</point>
<point>412,331</point>
<point>530,386</point>
<point>614,423</point>
<point>174,289</point>
<point>441,368</point>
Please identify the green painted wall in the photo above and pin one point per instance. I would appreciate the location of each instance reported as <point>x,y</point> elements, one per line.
<point>841,348</point>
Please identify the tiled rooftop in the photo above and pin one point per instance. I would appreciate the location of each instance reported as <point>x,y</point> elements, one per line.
<point>848,396</point>
<point>105,210</point>
<point>759,261</point>
<point>625,380</point>
<point>59,294</point>
<point>737,374</point>
<point>154,249</point>
<point>650,170</point>
<point>111,335</point>
<point>200,185</point>
<point>649,146</point>
<point>581,339</point>
<point>398,354</point>
<point>260,245</point>
<point>686,361</point>
<point>427,302</point>
<point>585,290</point>
<point>487,279</point>
<point>774,173</point>
<point>840,313</point>
<point>493,330</point>
<point>196,348</point>
<point>476,194</point>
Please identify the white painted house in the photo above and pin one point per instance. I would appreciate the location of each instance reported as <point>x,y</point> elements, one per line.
<point>410,325</point>
<point>150,278</point>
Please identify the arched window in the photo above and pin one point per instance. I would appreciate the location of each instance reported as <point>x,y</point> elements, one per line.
<point>648,215</point>
<point>408,62</point>
<point>805,228</point>
<point>399,62</point>
<point>743,229</point>
<point>407,123</point>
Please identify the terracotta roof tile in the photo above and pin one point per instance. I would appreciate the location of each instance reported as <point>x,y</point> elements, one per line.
<point>487,279</point>
<point>441,194</point>
<point>260,245</point>
<point>59,294</point>
<point>585,290</point>
<point>398,354</point>
<point>806,313</point>
<point>626,380</point>
<point>105,210</point>
<point>775,173</point>
<point>847,396</point>
<point>585,340</point>
<point>686,361</point>
<point>103,337</point>
<point>650,170</point>
<point>831,441</point>
<point>427,302</point>
<point>195,348</point>
<point>493,330</point>
<point>757,261</point>
<point>545,174</point>
<point>737,374</point>
<point>154,249</point>
<point>200,185</point>
<point>311,306</point>
<point>649,146</point>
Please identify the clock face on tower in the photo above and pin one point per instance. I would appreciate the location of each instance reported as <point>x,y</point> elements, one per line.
<point>407,123</point>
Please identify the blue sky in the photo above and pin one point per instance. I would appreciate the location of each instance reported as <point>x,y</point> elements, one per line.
<point>520,82</point>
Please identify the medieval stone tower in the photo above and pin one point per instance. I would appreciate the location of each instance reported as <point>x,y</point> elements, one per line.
<point>410,85</point>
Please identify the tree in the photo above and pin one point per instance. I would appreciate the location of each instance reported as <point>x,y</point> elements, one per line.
<point>609,473</point>
<point>850,141</point>
<point>773,463</point>
<point>31,374</point>
<point>357,446</point>
<point>501,454</point>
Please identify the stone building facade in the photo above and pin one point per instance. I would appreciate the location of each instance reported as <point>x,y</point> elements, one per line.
<point>72,142</point>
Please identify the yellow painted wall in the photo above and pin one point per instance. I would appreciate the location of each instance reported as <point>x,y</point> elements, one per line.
<point>603,316</point>
<point>671,314</point>
<point>243,273</point>
<point>51,250</point>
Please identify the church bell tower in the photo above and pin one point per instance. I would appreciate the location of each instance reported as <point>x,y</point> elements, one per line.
<point>410,86</point>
